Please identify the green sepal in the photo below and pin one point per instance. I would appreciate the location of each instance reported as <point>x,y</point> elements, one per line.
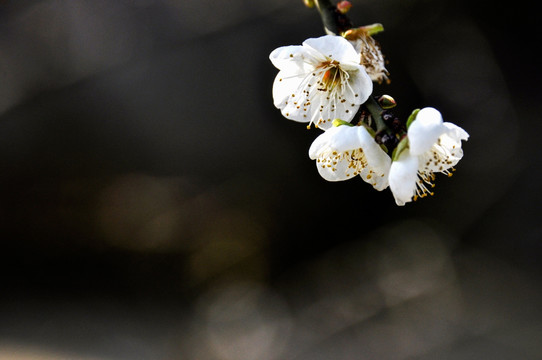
<point>369,129</point>
<point>412,117</point>
<point>339,122</point>
<point>403,144</point>
<point>373,29</point>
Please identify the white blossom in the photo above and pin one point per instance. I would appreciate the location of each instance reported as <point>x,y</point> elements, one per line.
<point>433,146</point>
<point>319,81</point>
<point>343,152</point>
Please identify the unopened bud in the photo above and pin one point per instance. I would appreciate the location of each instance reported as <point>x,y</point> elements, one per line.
<point>386,102</point>
<point>344,6</point>
<point>309,3</point>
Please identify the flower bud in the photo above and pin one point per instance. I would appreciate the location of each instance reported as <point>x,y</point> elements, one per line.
<point>344,6</point>
<point>309,3</point>
<point>386,102</point>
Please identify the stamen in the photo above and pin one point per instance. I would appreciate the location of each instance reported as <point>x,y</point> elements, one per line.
<point>424,178</point>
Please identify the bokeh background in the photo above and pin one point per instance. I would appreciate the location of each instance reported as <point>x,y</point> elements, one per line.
<point>155,205</point>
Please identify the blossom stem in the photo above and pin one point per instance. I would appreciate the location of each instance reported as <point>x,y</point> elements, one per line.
<point>334,21</point>
<point>376,112</point>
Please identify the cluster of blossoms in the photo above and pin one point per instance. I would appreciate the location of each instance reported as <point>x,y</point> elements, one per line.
<point>328,81</point>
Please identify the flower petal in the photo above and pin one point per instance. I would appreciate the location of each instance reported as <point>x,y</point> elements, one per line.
<point>456,132</point>
<point>425,130</point>
<point>377,171</point>
<point>403,177</point>
<point>288,57</point>
<point>288,96</point>
<point>336,138</point>
<point>331,47</point>
<point>356,91</point>
<point>453,149</point>
<point>446,152</point>
<point>336,170</point>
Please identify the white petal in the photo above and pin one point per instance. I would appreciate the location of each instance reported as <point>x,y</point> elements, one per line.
<point>378,181</point>
<point>337,138</point>
<point>299,99</point>
<point>456,132</point>
<point>339,171</point>
<point>378,161</point>
<point>290,81</point>
<point>446,153</point>
<point>290,57</point>
<point>362,86</point>
<point>283,87</point>
<point>452,147</point>
<point>354,93</point>
<point>425,130</point>
<point>321,110</point>
<point>321,143</point>
<point>289,97</point>
<point>334,48</point>
<point>403,177</point>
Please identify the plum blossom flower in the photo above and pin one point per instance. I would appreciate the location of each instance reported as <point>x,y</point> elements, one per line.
<point>344,151</point>
<point>432,146</point>
<point>319,81</point>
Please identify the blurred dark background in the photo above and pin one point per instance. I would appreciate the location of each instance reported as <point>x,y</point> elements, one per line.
<point>155,205</point>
